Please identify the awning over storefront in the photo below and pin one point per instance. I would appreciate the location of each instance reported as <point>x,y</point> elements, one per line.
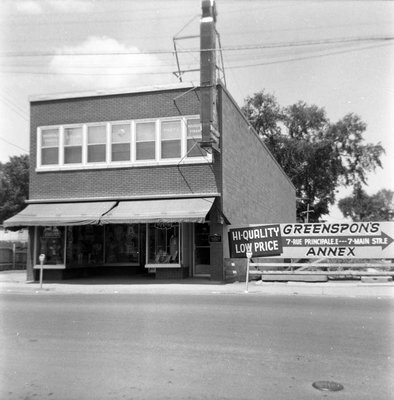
<point>168,210</point>
<point>60,214</point>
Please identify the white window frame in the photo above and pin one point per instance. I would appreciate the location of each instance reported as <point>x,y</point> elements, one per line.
<point>40,131</point>
<point>121,162</point>
<point>160,142</point>
<point>98,163</point>
<point>83,144</point>
<point>146,121</point>
<point>108,163</point>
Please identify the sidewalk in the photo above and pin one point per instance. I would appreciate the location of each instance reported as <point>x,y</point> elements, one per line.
<point>15,282</point>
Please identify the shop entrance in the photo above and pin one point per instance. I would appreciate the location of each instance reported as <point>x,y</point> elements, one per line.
<point>202,250</point>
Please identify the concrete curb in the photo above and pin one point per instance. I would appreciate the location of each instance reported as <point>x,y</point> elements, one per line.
<point>15,282</point>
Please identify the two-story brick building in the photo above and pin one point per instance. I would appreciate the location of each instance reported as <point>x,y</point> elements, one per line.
<point>147,180</point>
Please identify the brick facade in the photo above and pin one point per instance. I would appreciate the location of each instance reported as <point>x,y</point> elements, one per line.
<point>252,187</point>
<point>255,189</point>
<point>118,182</point>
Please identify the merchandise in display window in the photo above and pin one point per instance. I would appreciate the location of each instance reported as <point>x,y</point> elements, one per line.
<point>163,243</point>
<point>85,245</point>
<point>51,243</point>
<point>122,244</point>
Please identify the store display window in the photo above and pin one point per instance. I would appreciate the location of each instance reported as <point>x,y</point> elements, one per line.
<point>51,243</point>
<point>163,243</point>
<point>122,244</point>
<point>85,245</point>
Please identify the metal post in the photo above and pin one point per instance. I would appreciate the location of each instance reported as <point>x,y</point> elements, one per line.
<point>248,257</point>
<point>41,258</point>
<point>13,256</point>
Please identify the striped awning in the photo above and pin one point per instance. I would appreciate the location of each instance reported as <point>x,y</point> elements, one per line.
<point>162,210</point>
<point>61,214</point>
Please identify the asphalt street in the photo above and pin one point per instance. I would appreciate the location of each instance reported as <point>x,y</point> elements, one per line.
<point>194,346</point>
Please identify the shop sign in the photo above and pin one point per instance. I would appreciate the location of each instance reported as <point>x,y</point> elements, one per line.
<point>215,238</point>
<point>261,241</point>
<point>317,240</point>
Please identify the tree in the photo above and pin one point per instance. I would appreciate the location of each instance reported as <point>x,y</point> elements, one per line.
<point>317,155</point>
<point>362,207</point>
<point>14,186</point>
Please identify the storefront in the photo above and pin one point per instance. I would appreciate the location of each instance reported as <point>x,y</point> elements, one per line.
<point>162,238</point>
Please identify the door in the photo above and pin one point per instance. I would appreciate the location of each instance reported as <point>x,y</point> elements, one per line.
<point>202,250</point>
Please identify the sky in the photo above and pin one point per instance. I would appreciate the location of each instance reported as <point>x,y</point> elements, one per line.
<point>338,55</point>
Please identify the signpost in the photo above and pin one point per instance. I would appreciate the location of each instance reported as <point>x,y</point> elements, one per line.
<point>248,257</point>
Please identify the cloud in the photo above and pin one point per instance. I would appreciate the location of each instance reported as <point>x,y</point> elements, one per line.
<point>70,6</point>
<point>29,7</point>
<point>104,62</point>
<point>35,7</point>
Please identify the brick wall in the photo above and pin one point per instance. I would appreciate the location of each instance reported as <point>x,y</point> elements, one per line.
<point>118,182</point>
<point>255,189</point>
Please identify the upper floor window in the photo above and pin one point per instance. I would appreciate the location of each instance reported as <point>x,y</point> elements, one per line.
<point>145,140</point>
<point>171,139</point>
<point>162,141</point>
<point>50,146</point>
<point>194,136</point>
<point>120,142</point>
<point>97,143</point>
<point>73,145</point>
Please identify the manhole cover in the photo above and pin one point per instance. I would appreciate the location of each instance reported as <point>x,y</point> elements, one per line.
<point>328,386</point>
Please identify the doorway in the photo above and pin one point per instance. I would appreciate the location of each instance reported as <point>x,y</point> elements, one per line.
<point>202,251</point>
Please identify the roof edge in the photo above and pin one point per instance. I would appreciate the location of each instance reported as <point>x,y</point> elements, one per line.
<point>122,198</point>
<point>109,92</point>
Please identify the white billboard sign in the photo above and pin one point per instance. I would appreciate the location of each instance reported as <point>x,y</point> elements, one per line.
<point>318,240</point>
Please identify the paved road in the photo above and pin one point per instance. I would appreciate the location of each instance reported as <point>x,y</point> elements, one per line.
<point>207,346</point>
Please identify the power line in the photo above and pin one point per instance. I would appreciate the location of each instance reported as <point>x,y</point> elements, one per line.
<point>15,145</point>
<point>227,48</point>
<point>14,107</point>
<point>86,73</point>
<point>300,58</point>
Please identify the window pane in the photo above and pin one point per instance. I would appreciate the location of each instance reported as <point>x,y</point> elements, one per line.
<point>193,137</point>
<point>120,152</point>
<point>72,154</point>
<point>145,131</point>
<point>163,242</point>
<point>85,245</point>
<point>193,128</point>
<point>120,133</point>
<point>50,241</point>
<point>96,153</point>
<point>73,136</point>
<point>97,134</point>
<point>49,156</point>
<point>171,130</point>
<point>146,151</point>
<point>122,244</point>
<point>171,149</point>
<point>50,138</point>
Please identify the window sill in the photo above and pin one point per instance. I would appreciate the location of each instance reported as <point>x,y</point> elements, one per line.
<point>50,266</point>
<point>114,165</point>
<point>174,265</point>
